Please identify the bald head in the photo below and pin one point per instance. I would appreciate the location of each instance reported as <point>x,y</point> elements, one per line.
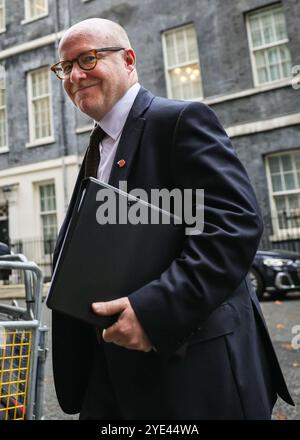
<point>97,89</point>
<point>108,32</point>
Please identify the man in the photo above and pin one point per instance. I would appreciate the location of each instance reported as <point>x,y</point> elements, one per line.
<point>191,344</point>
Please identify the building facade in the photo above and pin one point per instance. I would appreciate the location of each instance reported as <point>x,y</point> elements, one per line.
<point>240,57</point>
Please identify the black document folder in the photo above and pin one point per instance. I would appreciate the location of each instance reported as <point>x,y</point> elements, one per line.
<point>101,262</point>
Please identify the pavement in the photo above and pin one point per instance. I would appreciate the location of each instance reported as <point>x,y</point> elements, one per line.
<point>16,291</point>
<point>281,316</point>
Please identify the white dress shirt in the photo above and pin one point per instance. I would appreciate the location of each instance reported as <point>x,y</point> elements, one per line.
<point>113,123</point>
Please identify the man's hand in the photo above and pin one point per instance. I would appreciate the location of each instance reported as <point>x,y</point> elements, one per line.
<point>127,331</point>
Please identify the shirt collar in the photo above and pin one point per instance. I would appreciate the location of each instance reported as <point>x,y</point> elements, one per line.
<point>113,122</point>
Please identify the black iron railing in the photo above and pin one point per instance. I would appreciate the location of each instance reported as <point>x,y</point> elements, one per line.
<point>38,250</point>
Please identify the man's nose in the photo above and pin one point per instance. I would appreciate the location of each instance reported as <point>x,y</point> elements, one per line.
<point>77,73</point>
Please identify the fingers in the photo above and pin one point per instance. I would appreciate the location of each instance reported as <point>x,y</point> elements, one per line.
<point>114,335</point>
<point>109,308</point>
<point>127,331</point>
<point>110,335</point>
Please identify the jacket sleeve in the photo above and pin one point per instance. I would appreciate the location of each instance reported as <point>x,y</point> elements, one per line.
<point>214,263</point>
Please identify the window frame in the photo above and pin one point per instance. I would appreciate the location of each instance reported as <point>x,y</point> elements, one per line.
<point>167,68</point>
<point>45,213</point>
<point>4,148</point>
<point>3,7</point>
<point>27,18</point>
<point>33,141</point>
<point>264,46</point>
<point>278,232</point>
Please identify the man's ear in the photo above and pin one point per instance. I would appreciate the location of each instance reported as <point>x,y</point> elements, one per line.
<point>130,59</point>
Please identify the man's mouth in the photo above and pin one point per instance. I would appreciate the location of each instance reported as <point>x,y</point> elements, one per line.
<point>83,88</point>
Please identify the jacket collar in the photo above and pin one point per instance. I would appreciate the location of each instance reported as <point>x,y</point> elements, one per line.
<point>130,137</point>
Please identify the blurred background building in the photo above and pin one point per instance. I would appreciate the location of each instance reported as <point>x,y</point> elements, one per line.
<point>241,57</point>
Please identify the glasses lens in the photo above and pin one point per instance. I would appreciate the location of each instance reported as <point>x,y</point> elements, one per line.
<point>87,60</point>
<point>66,68</point>
<point>63,70</point>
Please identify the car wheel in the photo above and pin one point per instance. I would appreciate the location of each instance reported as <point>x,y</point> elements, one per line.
<point>257,283</point>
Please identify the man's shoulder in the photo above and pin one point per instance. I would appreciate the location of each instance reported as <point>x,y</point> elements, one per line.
<point>166,110</point>
<point>162,104</point>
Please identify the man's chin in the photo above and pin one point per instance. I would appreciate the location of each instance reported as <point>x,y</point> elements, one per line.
<point>89,108</point>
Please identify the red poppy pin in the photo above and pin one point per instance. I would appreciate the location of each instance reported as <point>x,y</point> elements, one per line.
<point>121,163</point>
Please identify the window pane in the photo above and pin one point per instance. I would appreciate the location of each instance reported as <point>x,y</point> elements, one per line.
<point>191,39</point>
<point>297,161</point>
<point>35,8</point>
<point>286,69</point>
<point>281,210</point>
<point>183,72</point>
<point>2,15</point>
<point>286,161</point>
<point>273,56</point>
<point>293,213</point>
<point>262,75</point>
<point>280,26</point>
<point>260,59</point>
<point>276,183</point>
<point>268,27</point>
<point>48,216</point>
<point>2,96</point>
<point>256,34</point>
<point>268,30</point>
<point>289,181</point>
<point>41,7</point>
<point>274,72</point>
<point>2,128</point>
<point>274,164</point>
<point>185,82</point>
<point>181,47</point>
<point>293,201</point>
<point>284,53</point>
<point>171,58</point>
<point>280,203</point>
<point>285,168</point>
<point>49,225</point>
<point>41,104</point>
<point>285,58</point>
<point>3,139</point>
<point>47,198</point>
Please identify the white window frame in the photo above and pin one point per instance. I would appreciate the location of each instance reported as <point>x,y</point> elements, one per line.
<point>167,68</point>
<point>264,46</point>
<point>4,148</point>
<point>44,213</point>
<point>33,141</point>
<point>280,233</point>
<point>2,6</point>
<point>29,18</point>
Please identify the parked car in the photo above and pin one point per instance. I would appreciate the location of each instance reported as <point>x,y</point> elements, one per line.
<point>275,272</point>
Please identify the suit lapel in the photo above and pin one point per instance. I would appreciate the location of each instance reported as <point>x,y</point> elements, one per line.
<point>130,137</point>
<point>127,148</point>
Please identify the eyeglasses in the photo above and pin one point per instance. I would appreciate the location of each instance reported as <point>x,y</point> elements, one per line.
<point>86,61</point>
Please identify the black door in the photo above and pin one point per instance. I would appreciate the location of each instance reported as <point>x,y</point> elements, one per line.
<point>4,236</point>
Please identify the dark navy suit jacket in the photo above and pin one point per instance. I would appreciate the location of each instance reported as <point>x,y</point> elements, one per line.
<point>214,356</point>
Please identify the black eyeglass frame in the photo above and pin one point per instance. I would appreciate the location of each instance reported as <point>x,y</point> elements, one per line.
<point>96,51</point>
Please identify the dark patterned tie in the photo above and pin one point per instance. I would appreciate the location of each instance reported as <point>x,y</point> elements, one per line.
<point>93,152</point>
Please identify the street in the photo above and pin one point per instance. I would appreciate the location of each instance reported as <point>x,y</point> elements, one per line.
<point>281,316</point>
